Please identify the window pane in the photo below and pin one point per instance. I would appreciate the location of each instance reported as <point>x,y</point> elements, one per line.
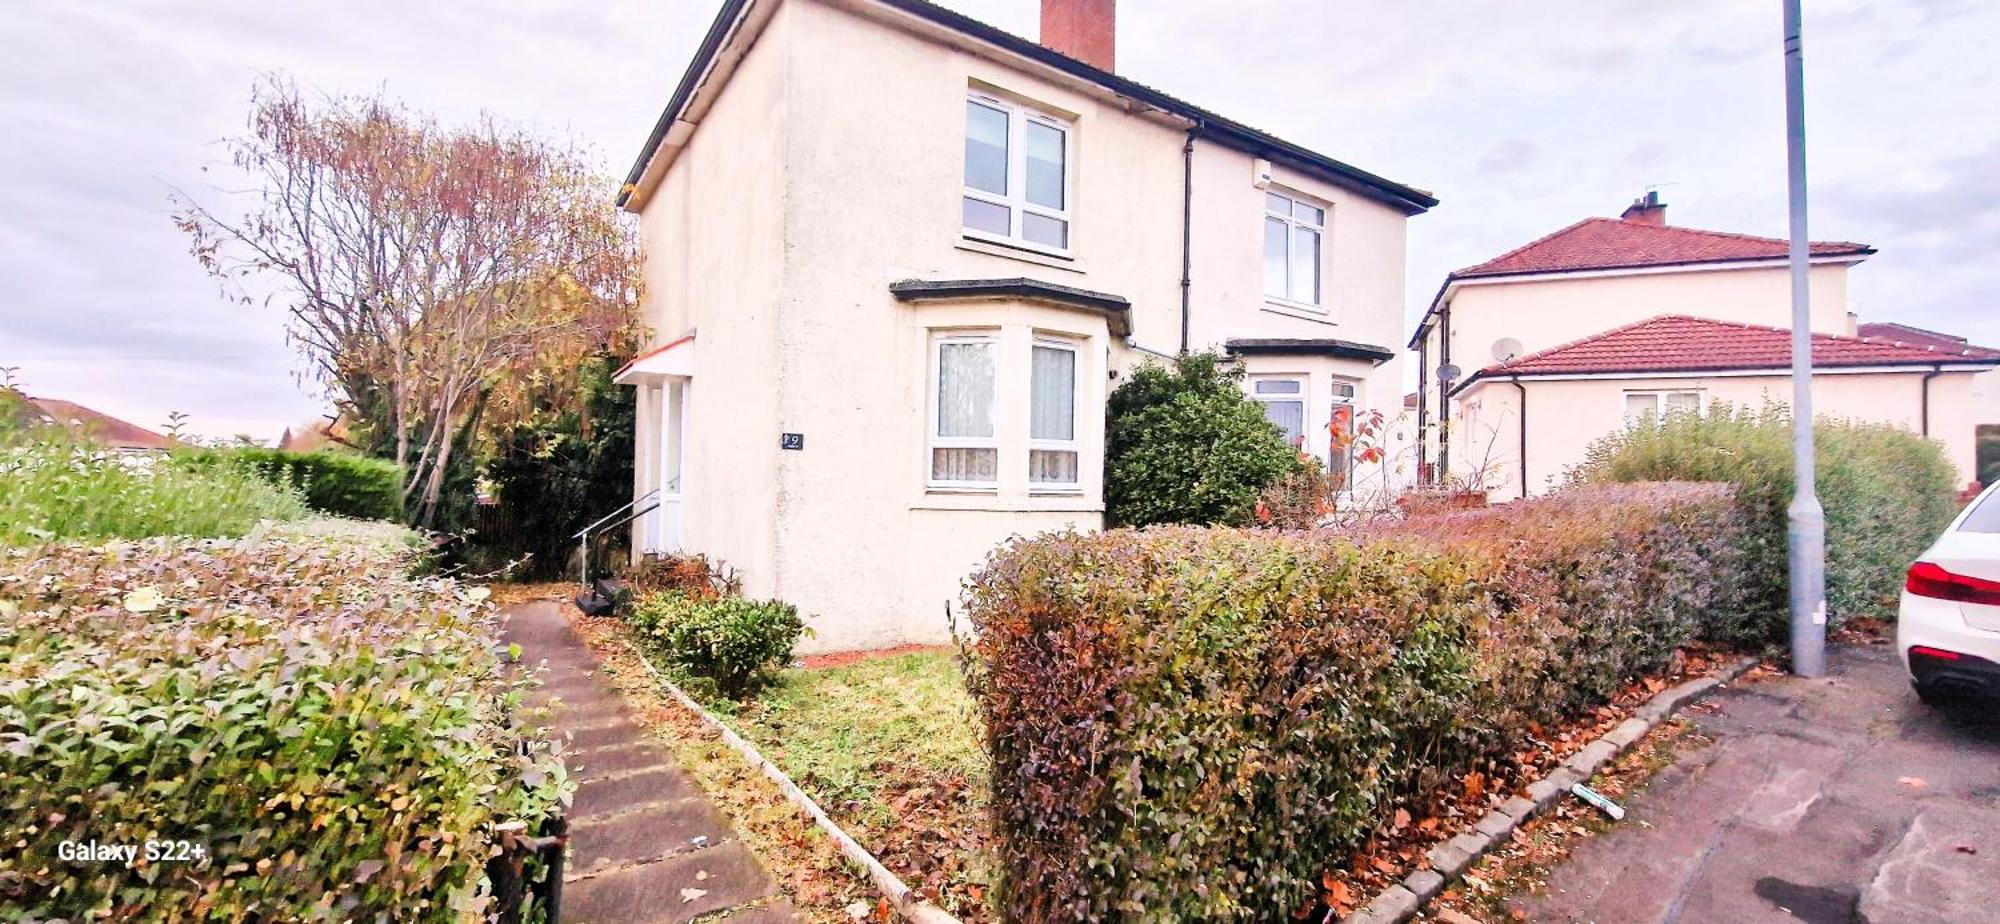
<point>965,389</point>
<point>1343,391</point>
<point>1290,416</point>
<point>965,465</point>
<point>981,215</point>
<point>1052,395</point>
<point>1684,402</point>
<point>1274,257</point>
<point>1045,165</point>
<point>1043,230</point>
<point>1278,386</point>
<point>1641,405</point>
<point>1278,205</point>
<point>1340,446</point>
<point>1052,466</point>
<point>1305,266</point>
<point>1309,214</point>
<point>985,148</point>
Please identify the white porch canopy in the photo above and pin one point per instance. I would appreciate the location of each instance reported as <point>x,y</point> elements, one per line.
<point>675,360</point>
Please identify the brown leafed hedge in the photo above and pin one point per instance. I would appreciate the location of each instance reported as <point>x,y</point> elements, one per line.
<point>340,738</point>
<point>1193,724</point>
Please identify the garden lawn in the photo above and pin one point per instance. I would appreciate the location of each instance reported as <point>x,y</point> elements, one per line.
<point>890,747</point>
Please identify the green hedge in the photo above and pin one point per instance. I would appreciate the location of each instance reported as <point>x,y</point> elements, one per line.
<point>341,739</point>
<point>54,487</point>
<point>1887,493</point>
<point>733,643</point>
<point>1192,724</point>
<point>331,482</point>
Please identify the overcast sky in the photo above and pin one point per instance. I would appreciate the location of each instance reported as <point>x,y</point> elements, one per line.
<point>1522,117</point>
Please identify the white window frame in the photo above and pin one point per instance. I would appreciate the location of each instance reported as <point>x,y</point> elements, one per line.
<point>1302,397</point>
<point>1292,223</point>
<point>1351,401</point>
<point>1659,396</point>
<point>1075,443</point>
<point>1016,198</point>
<point>933,441</point>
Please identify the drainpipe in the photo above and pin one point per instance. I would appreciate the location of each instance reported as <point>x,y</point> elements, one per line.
<point>1523,439</point>
<point>1423,409</point>
<point>1187,230</point>
<point>1444,396</point>
<point>1924,401</point>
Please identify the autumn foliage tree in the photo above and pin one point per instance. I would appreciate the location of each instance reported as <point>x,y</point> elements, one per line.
<point>437,278</point>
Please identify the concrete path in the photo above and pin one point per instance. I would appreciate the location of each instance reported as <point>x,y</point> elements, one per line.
<point>1829,801</point>
<point>645,845</point>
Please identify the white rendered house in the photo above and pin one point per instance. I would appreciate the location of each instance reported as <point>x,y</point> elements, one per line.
<point>896,260</point>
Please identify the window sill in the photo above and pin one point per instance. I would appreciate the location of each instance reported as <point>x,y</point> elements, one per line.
<point>1302,312</point>
<point>1010,252</point>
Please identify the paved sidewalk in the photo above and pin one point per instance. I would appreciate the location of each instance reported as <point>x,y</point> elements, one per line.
<point>645,845</point>
<point>1829,801</point>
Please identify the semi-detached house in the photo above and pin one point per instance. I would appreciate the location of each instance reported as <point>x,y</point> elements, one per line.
<point>896,260</point>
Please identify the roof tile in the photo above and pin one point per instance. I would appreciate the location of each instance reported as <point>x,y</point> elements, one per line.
<point>1680,343</point>
<point>1613,243</point>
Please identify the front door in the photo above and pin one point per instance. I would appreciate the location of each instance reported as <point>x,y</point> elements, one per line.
<point>666,525</point>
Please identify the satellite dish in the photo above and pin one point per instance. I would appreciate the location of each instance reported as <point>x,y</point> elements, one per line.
<point>1447,373</point>
<point>1506,349</point>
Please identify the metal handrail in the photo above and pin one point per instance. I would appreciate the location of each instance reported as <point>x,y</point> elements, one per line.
<point>649,495</point>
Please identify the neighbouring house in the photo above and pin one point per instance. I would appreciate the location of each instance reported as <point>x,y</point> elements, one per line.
<point>896,260</point>
<point>1985,385</point>
<point>1633,314</point>
<point>1534,417</point>
<point>96,426</point>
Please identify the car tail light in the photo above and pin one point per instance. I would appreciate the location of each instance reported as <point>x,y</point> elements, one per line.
<point>1926,651</point>
<point>1930,580</point>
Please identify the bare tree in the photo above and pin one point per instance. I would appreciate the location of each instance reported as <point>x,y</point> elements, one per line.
<point>427,271</point>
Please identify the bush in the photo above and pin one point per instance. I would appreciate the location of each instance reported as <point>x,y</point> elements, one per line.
<point>55,487</point>
<point>1185,445</point>
<point>568,465</point>
<point>734,643</point>
<point>688,574</point>
<point>1887,494</point>
<point>341,484</point>
<point>1986,452</point>
<point>341,739</point>
<point>1193,724</point>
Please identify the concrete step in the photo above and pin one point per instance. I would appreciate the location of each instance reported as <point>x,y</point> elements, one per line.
<point>625,792</point>
<point>643,835</point>
<point>679,889</point>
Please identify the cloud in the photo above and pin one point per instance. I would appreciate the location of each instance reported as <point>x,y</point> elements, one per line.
<point>1510,156</point>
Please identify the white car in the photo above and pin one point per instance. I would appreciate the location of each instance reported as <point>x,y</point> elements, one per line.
<point>1949,627</point>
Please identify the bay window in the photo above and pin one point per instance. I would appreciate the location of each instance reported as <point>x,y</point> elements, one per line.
<point>1052,443</point>
<point>1284,401</point>
<point>964,448</point>
<point>1293,229</point>
<point>1017,175</point>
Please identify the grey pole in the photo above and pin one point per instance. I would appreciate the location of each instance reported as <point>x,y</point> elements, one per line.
<point>1807,530</point>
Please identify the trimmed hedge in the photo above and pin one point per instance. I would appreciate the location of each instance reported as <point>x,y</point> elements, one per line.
<point>1887,493</point>
<point>341,739</point>
<point>341,484</point>
<point>1191,724</point>
<point>734,643</point>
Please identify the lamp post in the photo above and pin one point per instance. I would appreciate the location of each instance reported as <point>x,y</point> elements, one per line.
<point>1806,530</point>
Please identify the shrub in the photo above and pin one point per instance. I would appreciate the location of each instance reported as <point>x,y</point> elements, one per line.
<point>1192,724</point>
<point>1301,499</point>
<point>1986,452</point>
<point>1184,445</point>
<point>734,643</point>
<point>567,465</point>
<point>1887,493</point>
<point>341,484</point>
<point>55,487</point>
<point>341,739</point>
<point>689,574</point>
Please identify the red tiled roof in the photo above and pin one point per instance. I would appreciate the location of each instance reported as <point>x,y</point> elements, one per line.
<point>1679,343</point>
<point>1614,243</point>
<point>1917,336</point>
<point>100,427</point>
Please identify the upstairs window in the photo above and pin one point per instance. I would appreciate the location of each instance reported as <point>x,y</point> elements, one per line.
<point>1284,401</point>
<point>1017,176</point>
<point>965,451</point>
<point>1652,405</point>
<point>1293,229</point>
<point>1052,445</point>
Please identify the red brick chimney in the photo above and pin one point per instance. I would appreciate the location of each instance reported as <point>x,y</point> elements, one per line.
<point>1647,210</point>
<point>1083,29</point>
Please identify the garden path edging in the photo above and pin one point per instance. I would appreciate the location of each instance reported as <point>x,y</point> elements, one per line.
<point>1450,859</point>
<point>907,902</point>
